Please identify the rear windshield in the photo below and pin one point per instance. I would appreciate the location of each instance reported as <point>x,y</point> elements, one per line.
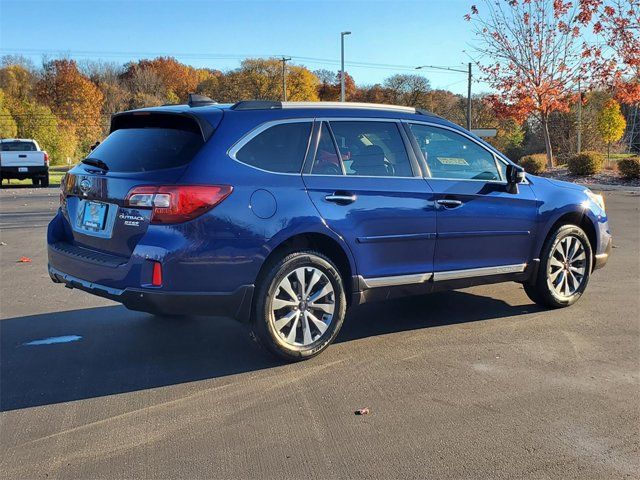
<point>18,147</point>
<point>146,149</point>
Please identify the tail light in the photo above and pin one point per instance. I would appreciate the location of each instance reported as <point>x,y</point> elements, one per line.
<point>46,159</point>
<point>156,277</point>
<point>178,203</point>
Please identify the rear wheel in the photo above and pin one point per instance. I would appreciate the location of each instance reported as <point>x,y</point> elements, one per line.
<point>44,181</point>
<point>300,306</point>
<point>565,268</point>
<point>35,181</point>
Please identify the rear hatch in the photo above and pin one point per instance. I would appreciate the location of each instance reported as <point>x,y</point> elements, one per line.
<point>143,149</point>
<point>20,153</point>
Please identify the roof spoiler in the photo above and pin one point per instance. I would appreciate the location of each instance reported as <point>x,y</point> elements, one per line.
<point>146,118</point>
<point>196,100</point>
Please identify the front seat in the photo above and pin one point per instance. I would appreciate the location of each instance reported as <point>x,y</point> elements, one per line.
<point>370,162</point>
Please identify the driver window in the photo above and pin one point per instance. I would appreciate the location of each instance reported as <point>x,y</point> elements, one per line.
<point>372,149</point>
<point>450,155</point>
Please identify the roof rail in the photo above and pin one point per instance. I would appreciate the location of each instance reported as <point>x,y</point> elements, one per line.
<point>372,106</point>
<point>196,100</point>
<point>256,105</point>
<point>271,105</point>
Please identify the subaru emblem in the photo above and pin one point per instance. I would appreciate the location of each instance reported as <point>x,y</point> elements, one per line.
<point>85,186</point>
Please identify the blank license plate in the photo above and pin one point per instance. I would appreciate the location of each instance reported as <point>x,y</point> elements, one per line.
<point>23,169</point>
<point>94,216</point>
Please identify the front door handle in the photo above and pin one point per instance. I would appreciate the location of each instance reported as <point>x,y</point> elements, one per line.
<point>448,203</point>
<point>341,198</point>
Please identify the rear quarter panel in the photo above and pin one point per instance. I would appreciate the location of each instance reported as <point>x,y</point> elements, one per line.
<point>229,244</point>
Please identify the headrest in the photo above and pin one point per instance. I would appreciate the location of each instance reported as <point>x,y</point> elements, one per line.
<point>372,155</point>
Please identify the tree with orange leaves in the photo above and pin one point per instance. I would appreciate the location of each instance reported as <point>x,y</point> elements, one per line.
<point>536,56</point>
<point>615,58</point>
<point>73,98</point>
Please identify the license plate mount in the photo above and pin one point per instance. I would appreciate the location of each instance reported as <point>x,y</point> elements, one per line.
<point>94,216</point>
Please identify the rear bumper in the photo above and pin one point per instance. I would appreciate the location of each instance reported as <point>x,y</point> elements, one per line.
<point>236,304</point>
<point>32,171</point>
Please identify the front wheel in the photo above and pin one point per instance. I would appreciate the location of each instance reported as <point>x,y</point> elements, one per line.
<point>299,306</point>
<point>565,268</point>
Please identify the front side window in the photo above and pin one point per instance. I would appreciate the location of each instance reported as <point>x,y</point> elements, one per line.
<point>373,149</point>
<point>450,155</point>
<point>280,148</point>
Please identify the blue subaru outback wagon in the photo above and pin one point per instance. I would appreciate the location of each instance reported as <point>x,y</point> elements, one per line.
<point>284,214</point>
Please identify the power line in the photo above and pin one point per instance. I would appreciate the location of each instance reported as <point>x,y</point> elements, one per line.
<point>443,69</point>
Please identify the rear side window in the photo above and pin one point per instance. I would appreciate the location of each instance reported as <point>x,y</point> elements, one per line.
<point>280,148</point>
<point>146,149</point>
<point>18,147</point>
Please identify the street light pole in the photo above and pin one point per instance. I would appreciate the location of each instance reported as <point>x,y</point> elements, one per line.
<point>469,77</point>
<point>342,34</point>
<point>284,61</point>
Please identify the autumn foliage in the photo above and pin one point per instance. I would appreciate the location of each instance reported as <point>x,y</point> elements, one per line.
<point>537,54</point>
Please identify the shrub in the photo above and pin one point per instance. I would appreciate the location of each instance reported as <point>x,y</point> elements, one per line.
<point>629,167</point>
<point>534,164</point>
<point>585,163</point>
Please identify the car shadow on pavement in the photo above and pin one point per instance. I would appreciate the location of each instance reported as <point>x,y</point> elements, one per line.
<point>80,354</point>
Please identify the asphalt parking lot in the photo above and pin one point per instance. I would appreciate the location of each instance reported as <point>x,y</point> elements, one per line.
<point>478,383</point>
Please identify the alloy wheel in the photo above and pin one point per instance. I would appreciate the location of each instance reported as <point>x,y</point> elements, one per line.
<point>567,266</point>
<point>302,306</point>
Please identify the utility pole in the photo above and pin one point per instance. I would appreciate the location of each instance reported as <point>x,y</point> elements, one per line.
<point>469,99</point>
<point>469,78</point>
<point>579,117</point>
<point>342,35</point>
<point>284,61</point>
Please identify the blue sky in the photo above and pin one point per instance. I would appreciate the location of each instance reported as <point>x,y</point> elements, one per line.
<point>218,34</point>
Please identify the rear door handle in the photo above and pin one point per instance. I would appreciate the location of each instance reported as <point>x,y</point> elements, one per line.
<point>447,203</point>
<point>341,198</point>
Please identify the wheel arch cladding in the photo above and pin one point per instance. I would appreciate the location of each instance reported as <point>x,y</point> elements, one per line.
<point>579,219</point>
<point>323,244</point>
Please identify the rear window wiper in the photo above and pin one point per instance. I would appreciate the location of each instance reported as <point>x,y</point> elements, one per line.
<point>96,162</point>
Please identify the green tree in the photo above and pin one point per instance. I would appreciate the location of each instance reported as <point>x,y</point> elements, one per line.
<point>611,124</point>
<point>39,122</point>
<point>8,127</point>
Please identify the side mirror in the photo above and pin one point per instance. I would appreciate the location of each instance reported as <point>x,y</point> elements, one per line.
<point>515,175</point>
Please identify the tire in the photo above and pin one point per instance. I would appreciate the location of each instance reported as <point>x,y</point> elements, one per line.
<point>44,181</point>
<point>293,329</point>
<point>565,268</point>
<point>35,181</point>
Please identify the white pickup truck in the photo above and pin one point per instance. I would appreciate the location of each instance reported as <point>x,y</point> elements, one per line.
<point>22,158</point>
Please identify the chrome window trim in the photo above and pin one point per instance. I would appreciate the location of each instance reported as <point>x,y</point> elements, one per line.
<point>363,119</point>
<point>497,157</point>
<point>416,278</point>
<point>251,134</point>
